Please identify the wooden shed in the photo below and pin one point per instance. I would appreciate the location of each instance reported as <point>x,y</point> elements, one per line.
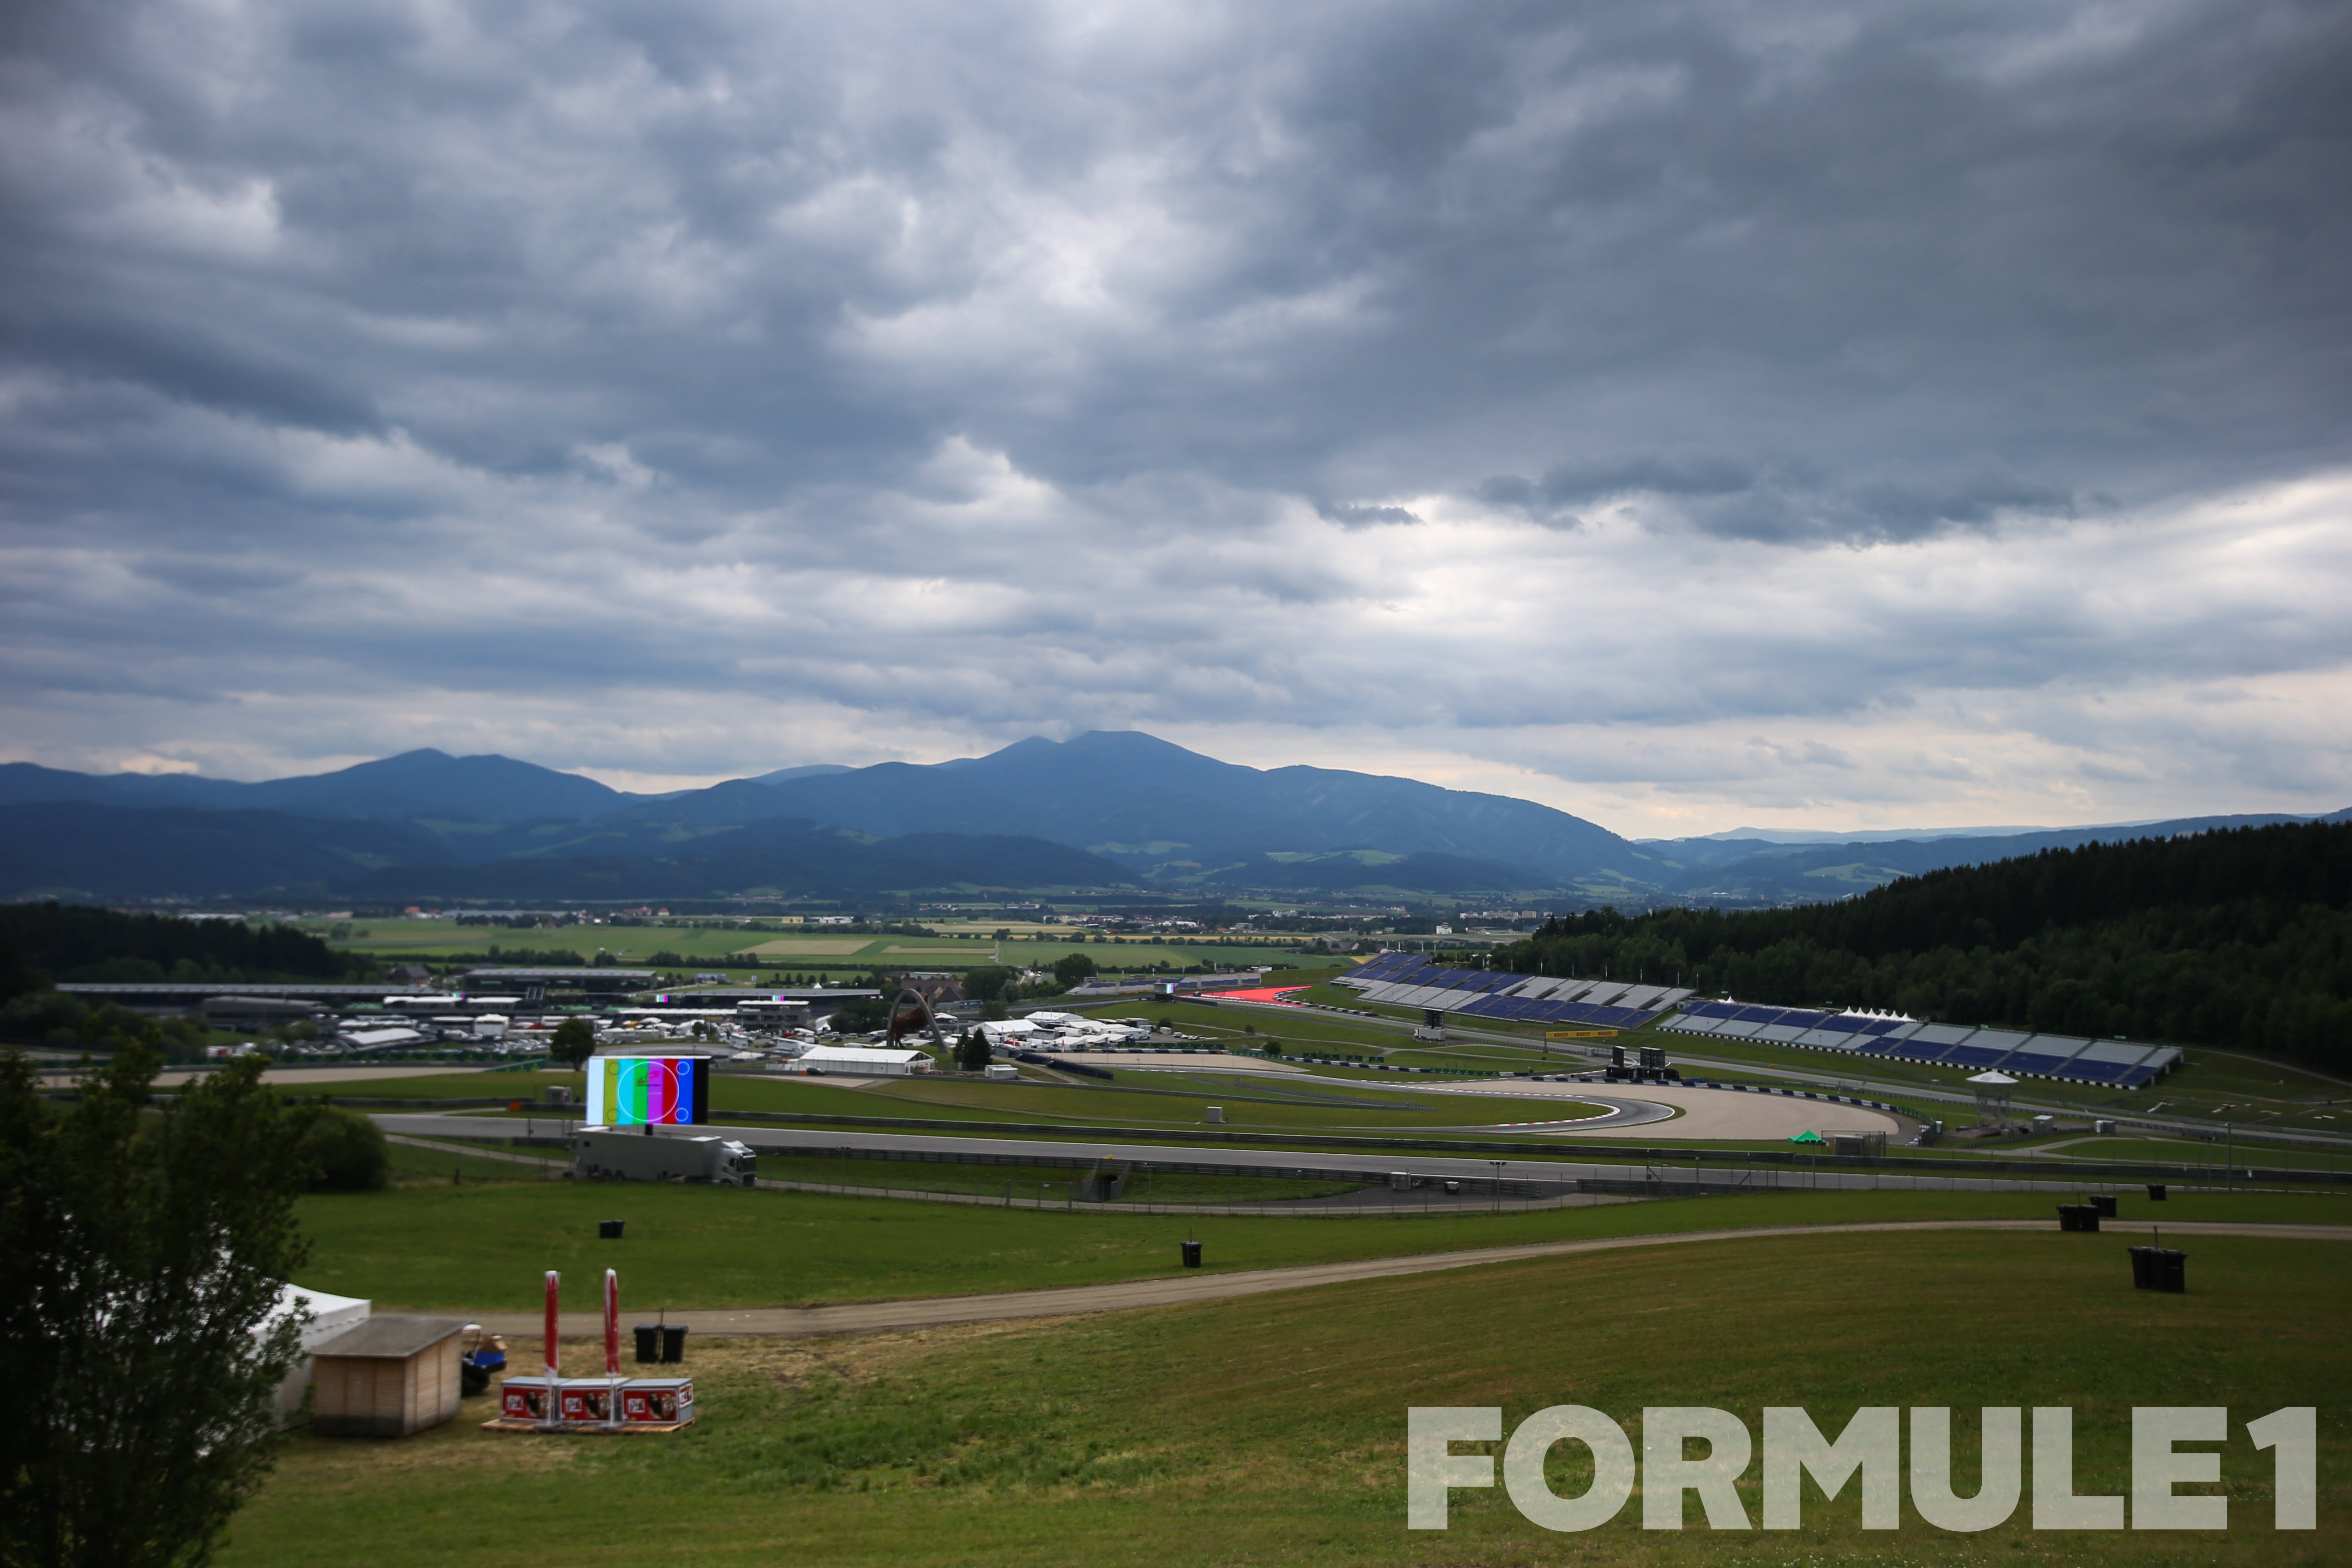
<point>388,1377</point>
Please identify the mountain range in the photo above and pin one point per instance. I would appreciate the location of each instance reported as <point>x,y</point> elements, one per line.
<point>1105,810</point>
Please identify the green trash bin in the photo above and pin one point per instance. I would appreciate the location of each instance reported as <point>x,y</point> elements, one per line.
<point>2077,1217</point>
<point>1191,1253</point>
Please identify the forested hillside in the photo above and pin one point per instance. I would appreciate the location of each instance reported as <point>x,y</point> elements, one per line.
<point>68,942</point>
<point>2236,939</point>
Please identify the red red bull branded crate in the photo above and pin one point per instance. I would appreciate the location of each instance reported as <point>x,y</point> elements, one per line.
<point>586,1404</point>
<point>588,1401</point>
<point>664,1401</point>
<point>526,1399</point>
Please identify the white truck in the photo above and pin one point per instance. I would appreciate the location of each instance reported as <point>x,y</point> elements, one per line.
<point>617,1154</point>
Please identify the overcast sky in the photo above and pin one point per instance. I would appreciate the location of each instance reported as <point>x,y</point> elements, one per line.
<point>1685,414</point>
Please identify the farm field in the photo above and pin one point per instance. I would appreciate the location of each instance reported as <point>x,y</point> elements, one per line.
<point>480,1246</point>
<point>803,947</point>
<point>1270,1429</point>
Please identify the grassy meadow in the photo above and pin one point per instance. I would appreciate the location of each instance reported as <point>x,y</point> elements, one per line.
<point>480,1243</point>
<point>1270,1429</point>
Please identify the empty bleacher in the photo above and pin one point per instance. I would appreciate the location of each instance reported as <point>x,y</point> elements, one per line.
<point>2120,1063</point>
<point>1409,980</point>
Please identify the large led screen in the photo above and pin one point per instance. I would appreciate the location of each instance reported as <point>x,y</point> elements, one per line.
<point>630,1092</point>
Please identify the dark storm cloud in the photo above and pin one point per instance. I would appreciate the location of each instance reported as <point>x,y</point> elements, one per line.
<point>373,351</point>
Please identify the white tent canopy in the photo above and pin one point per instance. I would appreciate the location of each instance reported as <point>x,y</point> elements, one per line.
<point>330,1315</point>
<point>856,1061</point>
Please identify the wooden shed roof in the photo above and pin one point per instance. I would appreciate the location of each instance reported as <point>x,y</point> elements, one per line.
<point>391,1338</point>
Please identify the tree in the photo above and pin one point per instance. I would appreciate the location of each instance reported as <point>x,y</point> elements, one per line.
<point>973,1052</point>
<point>988,983</point>
<point>860,1015</point>
<point>140,1257</point>
<point>573,1043</point>
<point>345,1150</point>
<point>1073,967</point>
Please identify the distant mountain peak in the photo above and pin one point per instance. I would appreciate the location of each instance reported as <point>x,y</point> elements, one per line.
<point>805,771</point>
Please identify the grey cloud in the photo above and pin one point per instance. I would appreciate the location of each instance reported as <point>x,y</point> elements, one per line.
<point>1356,517</point>
<point>397,349</point>
<point>1780,500</point>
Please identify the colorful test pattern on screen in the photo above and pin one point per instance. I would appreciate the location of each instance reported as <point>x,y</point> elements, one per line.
<point>630,1092</point>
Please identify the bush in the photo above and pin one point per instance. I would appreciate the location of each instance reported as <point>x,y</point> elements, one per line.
<point>40,1016</point>
<point>345,1150</point>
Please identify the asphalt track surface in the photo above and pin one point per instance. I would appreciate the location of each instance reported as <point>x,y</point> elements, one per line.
<point>1188,1288</point>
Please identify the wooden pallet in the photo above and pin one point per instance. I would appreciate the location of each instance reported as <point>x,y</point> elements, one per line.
<point>584,1429</point>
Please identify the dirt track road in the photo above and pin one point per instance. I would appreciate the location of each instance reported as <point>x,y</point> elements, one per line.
<point>927,1312</point>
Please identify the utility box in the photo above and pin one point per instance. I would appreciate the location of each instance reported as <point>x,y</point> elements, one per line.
<point>2104,1127</point>
<point>1212,1114</point>
<point>1103,1184</point>
<point>1400,1181</point>
<point>606,1154</point>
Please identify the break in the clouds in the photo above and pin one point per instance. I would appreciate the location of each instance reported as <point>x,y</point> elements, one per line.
<point>1683,414</point>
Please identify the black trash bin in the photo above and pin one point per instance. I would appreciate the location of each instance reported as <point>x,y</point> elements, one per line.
<point>648,1343</point>
<point>673,1338</point>
<point>609,1229</point>
<point>2106,1204</point>
<point>2159,1268</point>
<point>2155,1192</point>
<point>1191,1253</point>
<point>2077,1217</point>
<point>471,1379</point>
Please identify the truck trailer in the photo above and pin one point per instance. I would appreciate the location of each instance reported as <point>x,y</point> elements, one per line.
<point>637,1155</point>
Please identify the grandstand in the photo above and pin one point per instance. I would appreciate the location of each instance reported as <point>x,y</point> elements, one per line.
<point>1409,980</point>
<point>2117,1063</point>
